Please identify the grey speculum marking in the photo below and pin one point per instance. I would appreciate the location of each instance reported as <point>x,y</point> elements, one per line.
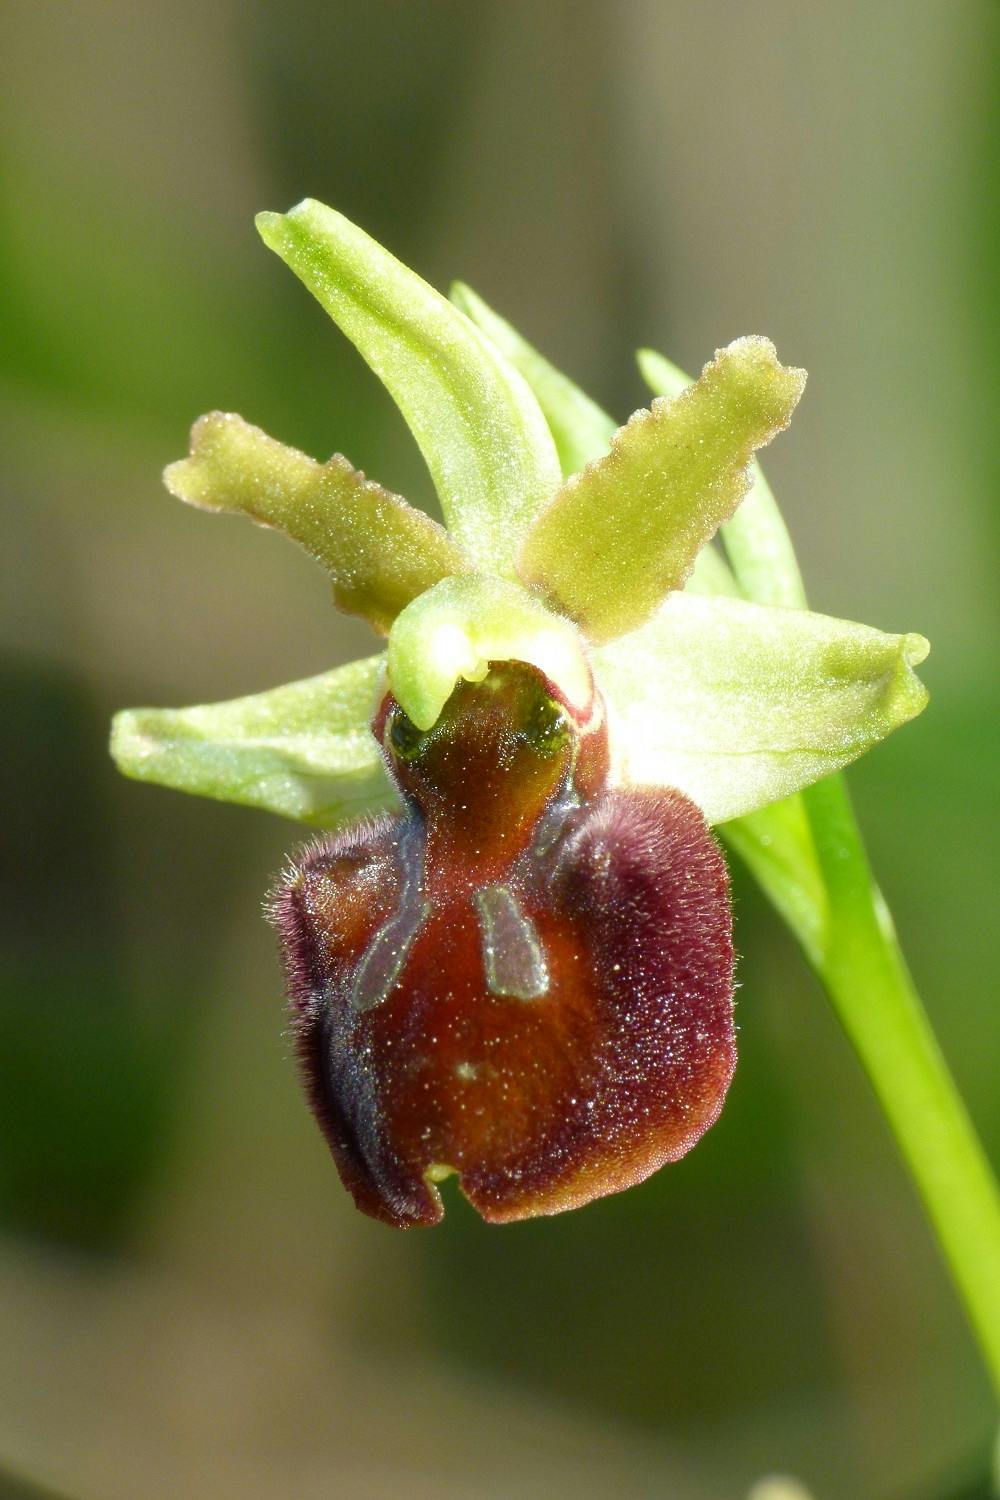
<point>384,958</point>
<point>513,956</point>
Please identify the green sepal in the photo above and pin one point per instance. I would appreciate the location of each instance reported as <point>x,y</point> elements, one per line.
<point>304,750</point>
<point>461,625</point>
<point>481,431</point>
<point>738,704</point>
<point>624,533</point>
<point>582,430</point>
<point>379,551</point>
<point>755,536</point>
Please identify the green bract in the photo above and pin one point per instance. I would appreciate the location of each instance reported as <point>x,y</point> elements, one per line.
<point>571,544</point>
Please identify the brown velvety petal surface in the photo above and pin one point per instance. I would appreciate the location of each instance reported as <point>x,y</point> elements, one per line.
<point>527,979</point>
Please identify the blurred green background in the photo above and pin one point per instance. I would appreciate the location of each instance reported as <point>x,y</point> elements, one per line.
<point>189,1305</point>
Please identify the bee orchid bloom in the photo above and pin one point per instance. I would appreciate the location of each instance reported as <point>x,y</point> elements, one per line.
<point>526,978</point>
<point>509,953</point>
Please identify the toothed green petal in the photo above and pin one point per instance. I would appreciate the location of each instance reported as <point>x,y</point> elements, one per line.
<point>303,750</point>
<point>582,431</point>
<point>739,704</point>
<point>480,429</point>
<point>624,533</point>
<point>755,537</point>
<point>775,842</point>
<point>378,550</point>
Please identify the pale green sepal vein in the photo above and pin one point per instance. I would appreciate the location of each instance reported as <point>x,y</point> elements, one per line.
<point>755,536</point>
<point>626,531</point>
<point>738,704</point>
<point>378,550</point>
<point>304,750</point>
<point>480,429</point>
<point>457,628</point>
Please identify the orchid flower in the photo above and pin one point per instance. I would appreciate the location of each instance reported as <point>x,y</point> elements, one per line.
<point>509,952</point>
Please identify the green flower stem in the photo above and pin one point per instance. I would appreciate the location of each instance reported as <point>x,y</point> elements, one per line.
<point>847,934</point>
<point>865,975</point>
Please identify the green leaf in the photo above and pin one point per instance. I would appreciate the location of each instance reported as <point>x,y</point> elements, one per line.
<point>480,429</point>
<point>378,550</point>
<point>460,626</point>
<point>303,750</point>
<point>755,536</point>
<point>739,704</point>
<point>624,533</point>
<point>582,431</point>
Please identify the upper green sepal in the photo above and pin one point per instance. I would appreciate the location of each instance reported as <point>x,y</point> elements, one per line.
<point>480,429</point>
<point>378,550</point>
<point>303,750</point>
<point>624,533</point>
<point>461,625</point>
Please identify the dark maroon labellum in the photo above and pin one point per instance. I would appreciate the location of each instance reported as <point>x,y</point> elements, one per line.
<point>526,978</point>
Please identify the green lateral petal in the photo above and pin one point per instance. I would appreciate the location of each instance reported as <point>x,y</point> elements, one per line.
<point>304,750</point>
<point>755,536</point>
<point>480,429</point>
<point>739,704</point>
<point>582,431</point>
<point>624,533</point>
<point>379,551</point>
<point>462,625</point>
<point>776,842</point>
